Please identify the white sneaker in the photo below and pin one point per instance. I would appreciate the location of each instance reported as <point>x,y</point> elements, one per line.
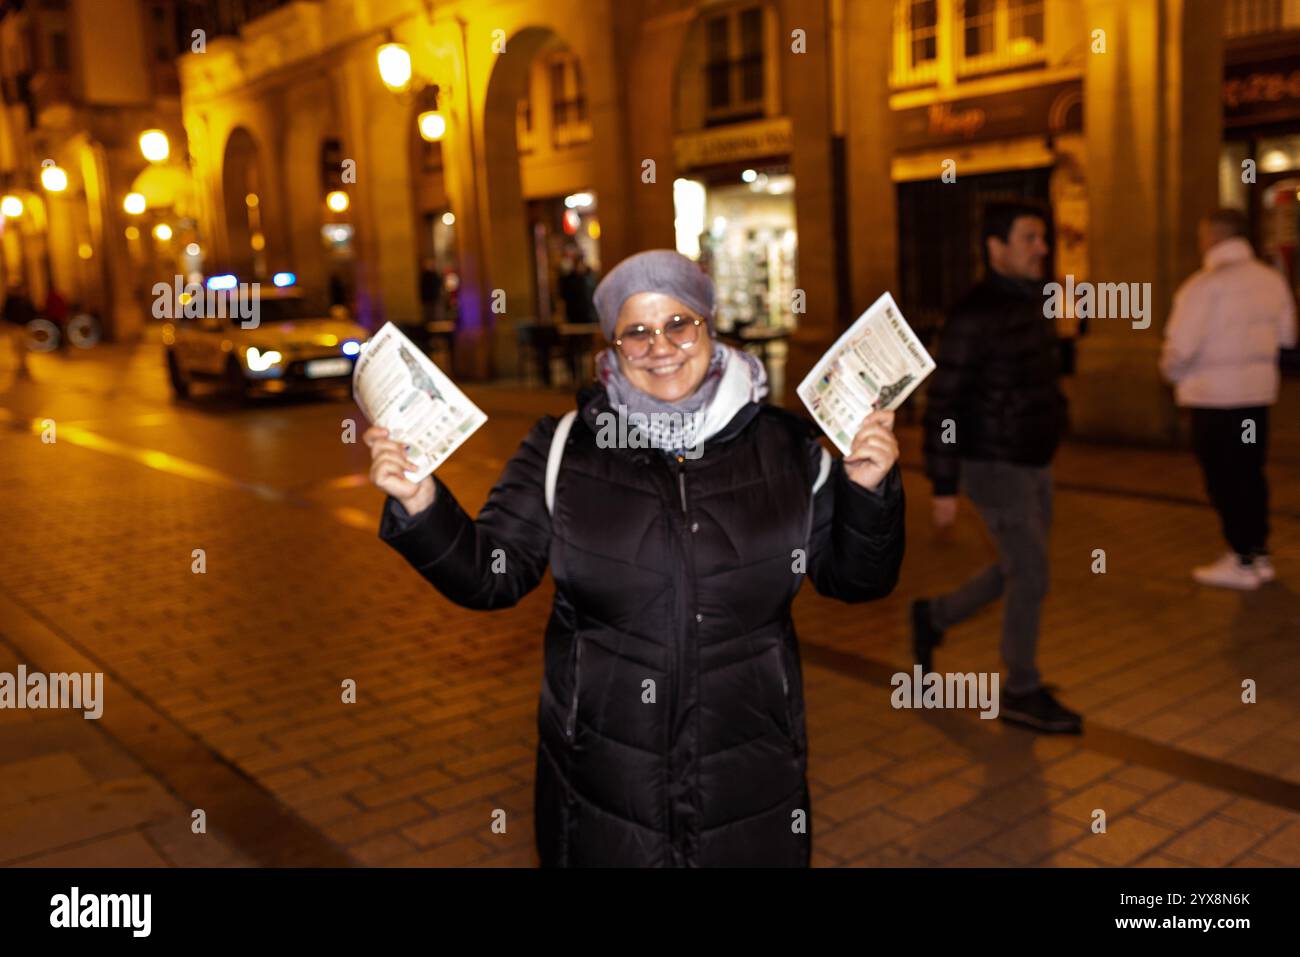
<point>1228,572</point>
<point>1264,568</point>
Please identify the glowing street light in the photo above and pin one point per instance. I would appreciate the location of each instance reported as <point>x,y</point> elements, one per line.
<point>54,179</point>
<point>337,200</point>
<point>154,145</point>
<point>162,232</point>
<point>134,203</point>
<point>394,62</point>
<point>432,125</point>
<point>11,207</point>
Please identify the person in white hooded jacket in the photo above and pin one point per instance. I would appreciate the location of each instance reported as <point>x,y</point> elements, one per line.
<point>1221,345</point>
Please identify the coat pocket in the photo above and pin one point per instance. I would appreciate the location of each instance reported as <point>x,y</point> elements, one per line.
<point>571,724</point>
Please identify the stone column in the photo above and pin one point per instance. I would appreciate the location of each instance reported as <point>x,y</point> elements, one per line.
<point>1153,126</point>
<point>869,144</point>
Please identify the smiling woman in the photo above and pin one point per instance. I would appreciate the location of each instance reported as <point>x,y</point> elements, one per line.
<point>671,719</point>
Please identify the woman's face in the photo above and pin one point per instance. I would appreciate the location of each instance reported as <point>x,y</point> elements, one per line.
<point>668,372</point>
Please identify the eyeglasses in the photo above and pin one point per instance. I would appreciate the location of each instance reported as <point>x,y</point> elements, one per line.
<point>637,341</point>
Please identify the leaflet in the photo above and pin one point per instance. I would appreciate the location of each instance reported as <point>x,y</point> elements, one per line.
<point>875,365</point>
<point>398,388</point>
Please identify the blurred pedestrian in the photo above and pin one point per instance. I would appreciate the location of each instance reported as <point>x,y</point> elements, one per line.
<point>994,417</point>
<point>18,315</point>
<point>56,312</point>
<point>671,718</point>
<point>1229,321</point>
<point>577,286</point>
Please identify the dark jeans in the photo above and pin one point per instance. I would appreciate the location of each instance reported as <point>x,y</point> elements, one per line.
<point>1015,502</point>
<point>1234,472</point>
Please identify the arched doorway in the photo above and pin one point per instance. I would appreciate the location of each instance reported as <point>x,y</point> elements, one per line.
<point>242,188</point>
<point>437,258</point>
<point>543,203</point>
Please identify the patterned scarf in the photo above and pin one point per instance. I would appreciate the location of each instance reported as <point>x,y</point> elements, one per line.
<point>733,380</point>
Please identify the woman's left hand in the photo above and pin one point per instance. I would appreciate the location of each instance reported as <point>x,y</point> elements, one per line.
<point>873,451</point>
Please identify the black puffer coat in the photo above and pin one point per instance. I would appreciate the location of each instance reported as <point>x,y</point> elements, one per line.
<point>997,381</point>
<point>671,720</point>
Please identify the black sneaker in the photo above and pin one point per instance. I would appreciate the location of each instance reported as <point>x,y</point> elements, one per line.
<point>1040,711</point>
<point>925,637</point>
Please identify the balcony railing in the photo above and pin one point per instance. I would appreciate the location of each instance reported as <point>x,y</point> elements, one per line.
<point>1248,18</point>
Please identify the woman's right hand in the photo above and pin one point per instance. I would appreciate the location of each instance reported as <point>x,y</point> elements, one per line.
<point>388,462</point>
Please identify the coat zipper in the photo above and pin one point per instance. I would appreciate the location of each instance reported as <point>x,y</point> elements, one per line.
<point>785,699</point>
<point>571,726</point>
<point>676,678</point>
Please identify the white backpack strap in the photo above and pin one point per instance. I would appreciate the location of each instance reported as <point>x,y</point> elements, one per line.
<point>824,472</point>
<point>555,454</point>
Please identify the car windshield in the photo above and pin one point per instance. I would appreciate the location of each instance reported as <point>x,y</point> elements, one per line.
<point>267,309</point>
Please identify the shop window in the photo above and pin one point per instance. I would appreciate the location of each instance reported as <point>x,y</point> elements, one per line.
<point>734,65</point>
<point>568,100</point>
<point>742,231</point>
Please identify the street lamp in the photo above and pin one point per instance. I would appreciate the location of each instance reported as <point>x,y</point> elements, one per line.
<point>394,62</point>
<point>337,200</point>
<point>154,145</point>
<point>432,125</point>
<point>134,203</point>
<point>54,179</point>
<point>162,232</point>
<point>11,207</point>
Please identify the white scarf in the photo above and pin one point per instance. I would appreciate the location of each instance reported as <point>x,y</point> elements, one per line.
<point>734,379</point>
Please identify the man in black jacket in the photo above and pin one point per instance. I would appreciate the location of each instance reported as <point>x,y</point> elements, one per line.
<point>993,419</point>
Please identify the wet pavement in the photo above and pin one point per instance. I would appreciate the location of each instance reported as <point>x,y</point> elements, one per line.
<point>222,689</point>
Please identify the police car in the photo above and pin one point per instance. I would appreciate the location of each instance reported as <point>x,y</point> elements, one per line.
<point>256,341</point>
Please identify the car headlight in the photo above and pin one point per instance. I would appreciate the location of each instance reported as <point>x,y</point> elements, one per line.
<point>258,361</point>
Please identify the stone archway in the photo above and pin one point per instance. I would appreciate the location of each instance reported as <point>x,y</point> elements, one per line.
<point>243,184</point>
<point>509,251</point>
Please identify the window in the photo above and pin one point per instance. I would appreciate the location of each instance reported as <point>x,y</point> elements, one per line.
<point>60,61</point>
<point>998,33</point>
<point>568,99</point>
<point>734,65</point>
<point>923,27</point>
<point>916,41</point>
<point>943,40</point>
<point>978,27</point>
<point>524,122</point>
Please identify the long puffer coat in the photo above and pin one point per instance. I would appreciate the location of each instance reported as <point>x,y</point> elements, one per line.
<point>671,719</point>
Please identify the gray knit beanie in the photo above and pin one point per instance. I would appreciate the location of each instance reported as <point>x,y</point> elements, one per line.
<point>656,270</point>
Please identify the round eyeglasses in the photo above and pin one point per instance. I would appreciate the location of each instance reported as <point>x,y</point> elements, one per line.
<point>637,341</point>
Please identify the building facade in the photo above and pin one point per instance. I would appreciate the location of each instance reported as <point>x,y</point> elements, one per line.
<point>82,81</point>
<point>449,162</point>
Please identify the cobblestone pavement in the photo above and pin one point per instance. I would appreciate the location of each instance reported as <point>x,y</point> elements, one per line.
<point>223,689</point>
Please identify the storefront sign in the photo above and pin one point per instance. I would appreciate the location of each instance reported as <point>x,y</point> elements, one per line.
<point>1051,108</point>
<point>731,144</point>
<point>1261,92</point>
